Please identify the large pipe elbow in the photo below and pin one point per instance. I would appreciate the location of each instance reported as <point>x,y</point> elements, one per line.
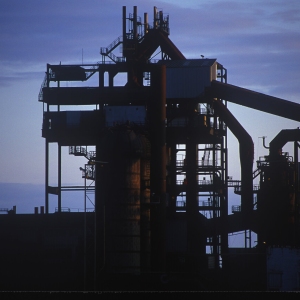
<point>246,154</point>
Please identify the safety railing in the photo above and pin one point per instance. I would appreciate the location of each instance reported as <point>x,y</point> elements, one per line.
<point>91,155</point>
<point>235,208</point>
<point>77,150</point>
<point>112,46</point>
<point>238,188</point>
<point>44,84</point>
<point>200,182</point>
<point>180,203</point>
<point>116,58</point>
<point>200,163</point>
<point>63,209</point>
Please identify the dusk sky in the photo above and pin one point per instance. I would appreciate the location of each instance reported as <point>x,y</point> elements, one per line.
<point>257,41</point>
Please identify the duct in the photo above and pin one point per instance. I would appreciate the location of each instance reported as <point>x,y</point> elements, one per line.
<point>251,99</point>
<point>246,154</point>
<point>284,136</point>
<point>152,40</point>
<point>168,47</point>
<point>135,29</point>
<point>147,46</point>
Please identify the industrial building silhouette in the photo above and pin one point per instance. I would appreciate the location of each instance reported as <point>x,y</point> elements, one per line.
<point>157,167</point>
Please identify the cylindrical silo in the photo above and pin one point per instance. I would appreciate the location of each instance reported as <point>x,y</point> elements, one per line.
<point>122,211</point>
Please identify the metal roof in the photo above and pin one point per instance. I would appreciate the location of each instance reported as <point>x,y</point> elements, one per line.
<point>186,63</point>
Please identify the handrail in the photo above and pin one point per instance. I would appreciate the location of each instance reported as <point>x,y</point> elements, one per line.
<point>235,208</point>
<point>91,155</point>
<point>233,183</point>
<point>115,58</point>
<point>77,150</point>
<point>200,182</point>
<point>200,163</point>
<point>63,209</point>
<point>111,46</point>
<point>138,18</point>
<point>44,84</point>
<point>238,187</point>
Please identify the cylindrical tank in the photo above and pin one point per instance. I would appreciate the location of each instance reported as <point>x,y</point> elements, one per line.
<point>124,200</point>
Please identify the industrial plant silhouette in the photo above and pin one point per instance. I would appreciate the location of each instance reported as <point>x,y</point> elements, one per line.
<point>157,175</point>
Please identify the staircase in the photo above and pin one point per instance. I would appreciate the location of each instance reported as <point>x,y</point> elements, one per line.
<point>206,155</point>
<point>44,84</point>
<point>107,51</point>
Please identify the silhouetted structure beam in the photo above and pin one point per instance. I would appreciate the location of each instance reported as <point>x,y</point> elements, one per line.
<point>93,95</point>
<point>71,95</point>
<point>255,100</point>
<point>234,223</point>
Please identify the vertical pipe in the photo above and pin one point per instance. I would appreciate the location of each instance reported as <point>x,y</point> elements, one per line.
<point>46,175</point>
<point>102,181</point>
<point>124,29</point>
<point>101,86</point>
<point>192,206</point>
<point>215,206</point>
<point>224,198</point>
<point>97,237</point>
<point>59,178</point>
<point>296,180</point>
<point>59,165</point>
<point>135,33</point>
<point>47,157</point>
<point>157,112</point>
<point>173,177</point>
<point>145,23</point>
<point>161,19</point>
<point>296,158</point>
<point>84,232</point>
<point>224,209</point>
<point>155,17</point>
<point>124,23</point>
